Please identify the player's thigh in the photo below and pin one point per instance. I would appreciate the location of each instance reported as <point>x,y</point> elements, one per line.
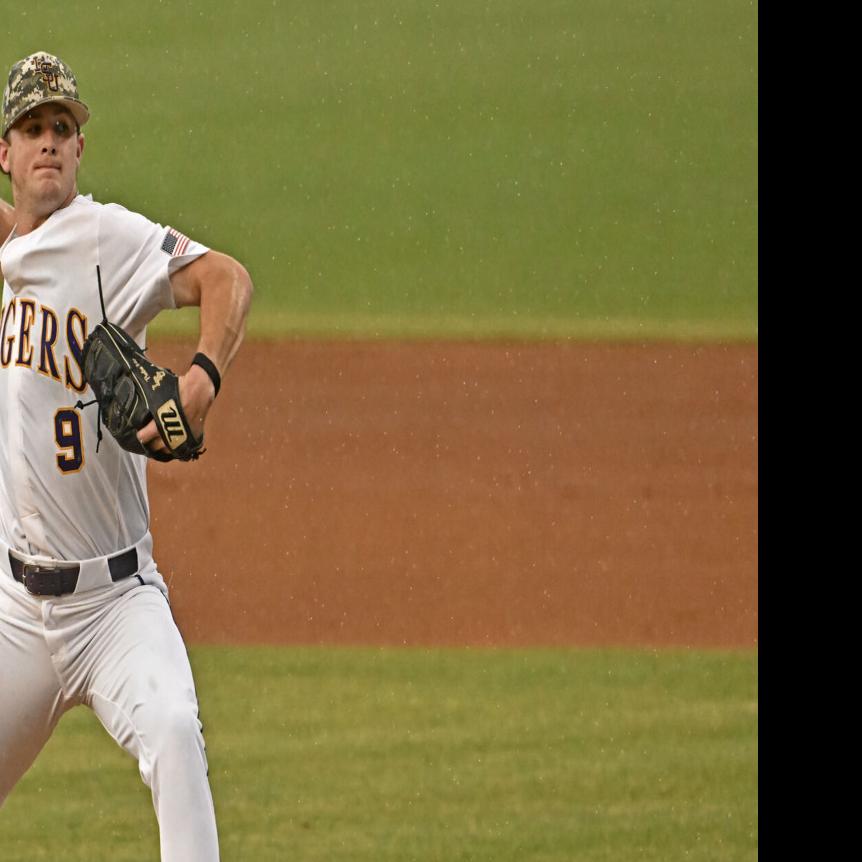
<point>141,678</point>
<point>31,700</point>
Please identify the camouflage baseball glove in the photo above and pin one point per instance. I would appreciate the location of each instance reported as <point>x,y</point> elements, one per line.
<point>131,391</point>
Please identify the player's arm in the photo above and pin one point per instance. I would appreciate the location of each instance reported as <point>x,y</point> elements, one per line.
<point>7,220</point>
<point>222,289</point>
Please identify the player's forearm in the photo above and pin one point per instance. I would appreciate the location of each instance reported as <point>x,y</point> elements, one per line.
<point>222,289</point>
<point>225,299</point>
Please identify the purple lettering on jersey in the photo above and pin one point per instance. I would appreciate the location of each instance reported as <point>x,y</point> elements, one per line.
<point>7,343</point>
<point>76,348</point>
<point>47,361</point>
<point>25,350</point>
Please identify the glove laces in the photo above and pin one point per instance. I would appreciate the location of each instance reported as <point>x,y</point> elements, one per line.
<point>81,405</point>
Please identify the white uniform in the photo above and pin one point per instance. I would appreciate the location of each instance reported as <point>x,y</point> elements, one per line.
<point>112,644</point>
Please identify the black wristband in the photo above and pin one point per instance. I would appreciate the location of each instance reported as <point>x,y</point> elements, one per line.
<point>208,365</point>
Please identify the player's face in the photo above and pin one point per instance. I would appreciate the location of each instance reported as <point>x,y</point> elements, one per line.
<point>42,155</point>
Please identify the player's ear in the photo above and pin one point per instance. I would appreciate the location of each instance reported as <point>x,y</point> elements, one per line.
<point>4,155</point>
<point>80,145</point>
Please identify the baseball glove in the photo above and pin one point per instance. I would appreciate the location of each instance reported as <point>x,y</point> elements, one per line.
<point>131,391</point>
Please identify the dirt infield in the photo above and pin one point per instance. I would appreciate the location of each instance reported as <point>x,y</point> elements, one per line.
<point>469,494</point>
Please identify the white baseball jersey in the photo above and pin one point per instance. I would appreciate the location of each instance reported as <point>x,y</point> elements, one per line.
<point>59,498</point>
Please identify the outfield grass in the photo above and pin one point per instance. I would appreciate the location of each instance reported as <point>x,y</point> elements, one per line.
<point>443,755</point>
<point>535,169</point>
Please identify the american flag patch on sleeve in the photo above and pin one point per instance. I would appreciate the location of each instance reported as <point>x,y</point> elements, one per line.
<point>174,243</point>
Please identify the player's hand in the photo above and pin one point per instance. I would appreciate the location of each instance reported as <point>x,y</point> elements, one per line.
<point>197,394</point>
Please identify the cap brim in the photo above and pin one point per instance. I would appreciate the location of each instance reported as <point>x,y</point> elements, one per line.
<point>78,109</point>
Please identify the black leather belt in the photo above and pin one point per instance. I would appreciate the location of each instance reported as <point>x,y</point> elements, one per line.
<point>60,580</point>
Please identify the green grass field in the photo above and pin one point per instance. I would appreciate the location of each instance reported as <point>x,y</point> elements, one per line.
<point>553,169</point>
<point>368,755</point>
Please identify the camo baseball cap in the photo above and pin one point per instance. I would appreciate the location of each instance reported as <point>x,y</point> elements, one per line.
<point>37,79</point>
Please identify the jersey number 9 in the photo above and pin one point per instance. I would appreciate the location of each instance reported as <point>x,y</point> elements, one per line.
<point>67,433</point>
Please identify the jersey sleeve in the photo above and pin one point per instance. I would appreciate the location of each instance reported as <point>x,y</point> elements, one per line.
<point>136,260</point>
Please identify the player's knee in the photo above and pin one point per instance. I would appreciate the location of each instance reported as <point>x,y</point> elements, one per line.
<point>177,730</point>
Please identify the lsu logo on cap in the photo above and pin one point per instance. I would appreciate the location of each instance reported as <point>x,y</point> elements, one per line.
<point>50,73</point>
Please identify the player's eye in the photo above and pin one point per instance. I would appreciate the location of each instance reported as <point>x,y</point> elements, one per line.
<point>62,129</point>
<point>33,130</point>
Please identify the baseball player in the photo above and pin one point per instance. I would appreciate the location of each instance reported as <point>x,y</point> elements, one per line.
<point>84,615</point>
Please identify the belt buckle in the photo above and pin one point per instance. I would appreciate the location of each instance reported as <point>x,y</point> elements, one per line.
<point>33,571</point>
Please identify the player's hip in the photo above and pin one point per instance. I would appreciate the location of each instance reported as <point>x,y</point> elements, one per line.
<point>66,580</point>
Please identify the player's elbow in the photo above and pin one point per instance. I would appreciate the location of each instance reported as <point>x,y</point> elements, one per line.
<point>214,277</point>
<point>242,279</point>
<point>242,285</point>
<point>234,287</point>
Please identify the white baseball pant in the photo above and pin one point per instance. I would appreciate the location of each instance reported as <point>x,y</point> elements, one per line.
<point>117,650</point>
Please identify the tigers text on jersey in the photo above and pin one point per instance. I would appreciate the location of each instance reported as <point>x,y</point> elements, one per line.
<point>59,498</point>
